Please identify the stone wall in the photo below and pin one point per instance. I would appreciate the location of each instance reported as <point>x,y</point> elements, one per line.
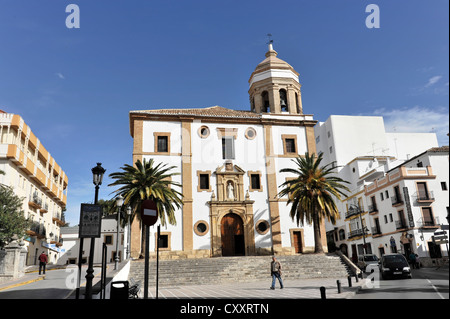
<point>12,261</point>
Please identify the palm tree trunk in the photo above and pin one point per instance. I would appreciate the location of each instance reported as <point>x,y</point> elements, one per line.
<point>318,249</point>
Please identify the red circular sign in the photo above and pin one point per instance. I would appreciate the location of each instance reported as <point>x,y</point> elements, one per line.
<point>149,212</point>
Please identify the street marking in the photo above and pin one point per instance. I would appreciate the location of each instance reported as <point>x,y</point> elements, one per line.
<point>434,287</point>
<point>22,283</point>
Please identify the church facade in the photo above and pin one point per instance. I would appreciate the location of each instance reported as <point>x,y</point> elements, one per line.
<point>229,166</point>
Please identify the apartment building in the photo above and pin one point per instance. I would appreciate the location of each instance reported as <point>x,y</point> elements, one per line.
<point>372,217</point>
<point>409,204</point>
<point>36,177</point>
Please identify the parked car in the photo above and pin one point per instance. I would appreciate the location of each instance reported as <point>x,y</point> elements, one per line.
<point>394,265</point>
<point>367,262</point>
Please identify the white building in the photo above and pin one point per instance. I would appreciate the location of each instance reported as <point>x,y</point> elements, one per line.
<point>34,176</point>
<point>229,163</point>
<point>363,153</point>
<point>71,243</point>
<point>416,207</point>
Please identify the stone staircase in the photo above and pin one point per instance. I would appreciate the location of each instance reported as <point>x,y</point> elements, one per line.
<point>237,269</point>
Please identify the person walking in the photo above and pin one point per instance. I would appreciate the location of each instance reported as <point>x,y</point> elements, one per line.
<point>275,268</point>
<point>42,262</point>
<point>412,258</point>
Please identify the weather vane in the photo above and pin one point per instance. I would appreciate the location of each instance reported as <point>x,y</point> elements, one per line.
<point>270,38</point>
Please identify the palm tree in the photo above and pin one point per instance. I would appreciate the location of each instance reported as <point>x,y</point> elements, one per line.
<point>149,181</point>
<point>311,193</point>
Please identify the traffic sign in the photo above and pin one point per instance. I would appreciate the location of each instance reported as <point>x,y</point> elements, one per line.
<point>149,212</point>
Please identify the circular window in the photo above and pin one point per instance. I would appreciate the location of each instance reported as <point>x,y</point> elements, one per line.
<point>201,228</point>
<point>203,131</point>
<point>250,133</point>
<point>262,227</point>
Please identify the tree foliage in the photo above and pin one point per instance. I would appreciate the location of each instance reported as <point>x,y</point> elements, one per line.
<point>146,180</point>
<point>311,193</point>
<point>12,220</point>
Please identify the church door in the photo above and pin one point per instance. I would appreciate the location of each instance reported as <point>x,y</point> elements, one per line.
<point>232,233</point>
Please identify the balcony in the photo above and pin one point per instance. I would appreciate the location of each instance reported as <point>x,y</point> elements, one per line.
<point>358,233</point>
<point>57,217</point>
<point>373,209</point>
<point>401,224</point>
<point>397,200</point>
<point>429,222</point>
<point>424,197</point>
<point>37,230</point>
<point>376,231</point>
<point>353,210</point>
<point>35,201</point>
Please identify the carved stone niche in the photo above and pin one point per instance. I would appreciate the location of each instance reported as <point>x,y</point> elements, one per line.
<point>230,182</point>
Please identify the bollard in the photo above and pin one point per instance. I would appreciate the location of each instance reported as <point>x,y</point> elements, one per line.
<point>322,293</point>
<point>356,277</point>
<point>372,277</point>
<point>349,278</point>
<point>338,286</point>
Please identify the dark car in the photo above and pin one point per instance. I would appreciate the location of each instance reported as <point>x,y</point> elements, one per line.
<point>394,265</point>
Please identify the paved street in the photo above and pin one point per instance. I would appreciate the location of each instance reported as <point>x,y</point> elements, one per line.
<point>58,284</point>
<point>295,289</point>
<point>427,283</point>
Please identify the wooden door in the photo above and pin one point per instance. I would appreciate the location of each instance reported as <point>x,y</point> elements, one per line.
<point>298,242</point>
<point>232,233</point>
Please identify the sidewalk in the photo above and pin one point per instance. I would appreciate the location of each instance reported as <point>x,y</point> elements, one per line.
<point>293,289</point>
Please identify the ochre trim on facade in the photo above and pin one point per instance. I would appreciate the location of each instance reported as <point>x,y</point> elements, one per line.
<point>272,190</point>
<point>186,182</point>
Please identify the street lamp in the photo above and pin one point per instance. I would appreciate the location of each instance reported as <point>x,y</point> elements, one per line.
<point>119,203</point>
<point>129,232</point>
<point>97,174</point>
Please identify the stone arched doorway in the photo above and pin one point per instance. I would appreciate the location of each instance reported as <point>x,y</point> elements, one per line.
<point>232,235</point>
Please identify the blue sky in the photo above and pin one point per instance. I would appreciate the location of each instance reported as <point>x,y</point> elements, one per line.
<point>75,87</point>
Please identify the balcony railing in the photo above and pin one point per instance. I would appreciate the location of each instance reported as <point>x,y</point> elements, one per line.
<point>353,210</point>
<point>373,208</point>
<point>376,231</point>
<point>400,224</point>
<point>428,222</point>
<point>424,197</point>
<point>355,233</point>
<point>396,200</point>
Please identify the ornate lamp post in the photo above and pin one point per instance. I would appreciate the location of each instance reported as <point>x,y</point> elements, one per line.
<point>97,174</point>
<point>119,203</point>
<point>129,232</point>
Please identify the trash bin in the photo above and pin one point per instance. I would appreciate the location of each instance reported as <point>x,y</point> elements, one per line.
<point>119,290</point>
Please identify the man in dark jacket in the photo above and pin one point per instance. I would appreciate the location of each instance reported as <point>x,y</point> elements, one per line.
<point>275,268</point>
<point>42,262</point>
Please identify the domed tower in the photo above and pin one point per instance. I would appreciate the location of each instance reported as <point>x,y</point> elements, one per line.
<point>274,86</point>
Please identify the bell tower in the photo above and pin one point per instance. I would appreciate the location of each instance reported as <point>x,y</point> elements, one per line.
<point>275,87</point>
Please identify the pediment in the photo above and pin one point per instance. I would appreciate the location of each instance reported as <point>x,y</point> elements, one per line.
<point>229,169</point>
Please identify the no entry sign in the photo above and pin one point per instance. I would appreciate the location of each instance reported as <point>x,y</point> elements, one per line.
<point>149,212</point>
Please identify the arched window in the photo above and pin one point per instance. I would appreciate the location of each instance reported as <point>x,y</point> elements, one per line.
<point>283,100</point>
<point>265,100</point>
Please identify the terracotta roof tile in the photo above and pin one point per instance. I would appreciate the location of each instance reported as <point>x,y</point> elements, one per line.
<point>206,112</point>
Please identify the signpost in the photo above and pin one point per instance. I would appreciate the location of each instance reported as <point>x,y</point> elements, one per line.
<point>90,227</point>
<point>90,221</point>
<point>149,216</point>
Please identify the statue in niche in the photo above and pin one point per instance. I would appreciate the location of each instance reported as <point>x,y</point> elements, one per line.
<point>230,191</point>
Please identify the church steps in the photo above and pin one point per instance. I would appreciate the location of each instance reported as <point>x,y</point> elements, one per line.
<point>238,269</point>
